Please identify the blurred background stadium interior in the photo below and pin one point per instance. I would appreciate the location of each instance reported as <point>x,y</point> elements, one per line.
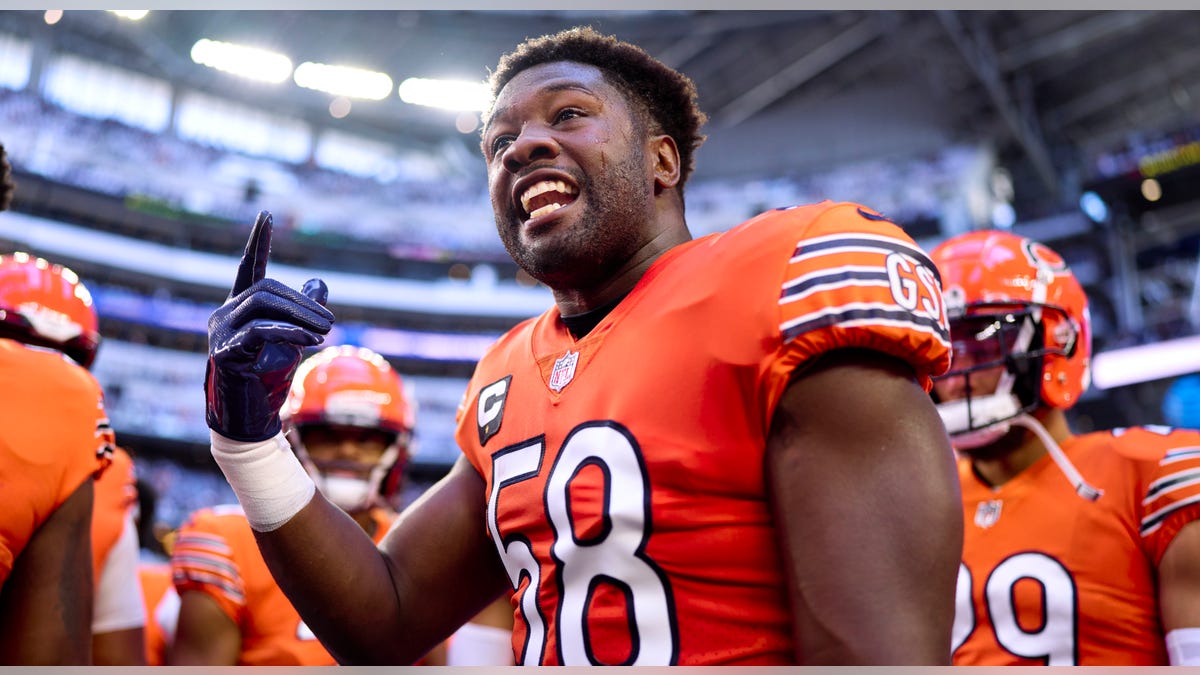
<point>142,168</point>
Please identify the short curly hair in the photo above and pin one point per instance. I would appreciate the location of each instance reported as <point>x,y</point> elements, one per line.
<point>7,186</point>
<point>667,96</point>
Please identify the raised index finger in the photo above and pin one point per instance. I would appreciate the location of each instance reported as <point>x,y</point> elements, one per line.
<point>254,259</point>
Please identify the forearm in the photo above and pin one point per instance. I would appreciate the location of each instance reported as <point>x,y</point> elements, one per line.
<point>340,584</point>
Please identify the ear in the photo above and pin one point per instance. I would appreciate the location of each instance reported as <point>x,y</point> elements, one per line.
<point>666,163</point>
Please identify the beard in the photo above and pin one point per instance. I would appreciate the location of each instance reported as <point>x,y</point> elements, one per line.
<point>605,233</point>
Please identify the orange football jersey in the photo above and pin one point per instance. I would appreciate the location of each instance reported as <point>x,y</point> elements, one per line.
<point>115,493</point>
<point>55,436</point>
<point>216,553</point>
<point>624,470</point>
<point>1051,578</point>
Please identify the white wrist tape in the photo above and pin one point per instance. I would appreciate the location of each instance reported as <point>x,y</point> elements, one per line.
<point>478,645</point>
<point>267,478</point>
<point>1183,647</point>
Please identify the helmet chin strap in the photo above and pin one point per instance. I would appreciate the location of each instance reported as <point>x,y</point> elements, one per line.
<point>991,417</point>
<point>1060,458</point>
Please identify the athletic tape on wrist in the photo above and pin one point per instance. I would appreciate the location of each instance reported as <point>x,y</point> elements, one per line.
<point>267,478</point>
<point>1183,647</point>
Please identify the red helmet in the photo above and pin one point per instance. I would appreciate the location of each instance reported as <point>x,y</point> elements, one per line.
<point>45,304</point>
<point>1021,296</point>
<point>353,386</point>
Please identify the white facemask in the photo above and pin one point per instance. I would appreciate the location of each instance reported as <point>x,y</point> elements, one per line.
<point>989,419</point>
<point>353,494</point>
<point>348,493</point>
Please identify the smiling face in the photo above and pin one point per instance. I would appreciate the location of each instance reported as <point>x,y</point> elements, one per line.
<point>571,180</point>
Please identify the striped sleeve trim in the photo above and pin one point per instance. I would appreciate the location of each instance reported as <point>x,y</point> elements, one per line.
<point>860,243</point>
<point>206,559</point>
<point>1173,482</point>
<point>864,314</point>
<point>848,275</point>
<point>852,280</point>
<point>1181,454</point>
<point>1153,521</point>
<point>226,587</point>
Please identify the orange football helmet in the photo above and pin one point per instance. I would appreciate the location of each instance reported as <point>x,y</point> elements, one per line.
<point>355,387</point>
<point>1013,302</point>
<point>45,304</point>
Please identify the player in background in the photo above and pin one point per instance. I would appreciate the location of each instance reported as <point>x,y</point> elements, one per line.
<point>55,439</point>
<point>1079,549</point>
<point>58,308</point>
<point>708,451</point>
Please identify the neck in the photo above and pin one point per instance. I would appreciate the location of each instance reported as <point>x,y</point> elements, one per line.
<point>671,232</point>
<point>1026,448</point>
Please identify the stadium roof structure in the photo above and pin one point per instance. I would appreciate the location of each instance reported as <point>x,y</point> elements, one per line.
<point>785,90</point>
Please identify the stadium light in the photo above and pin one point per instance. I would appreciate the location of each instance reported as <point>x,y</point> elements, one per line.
<point>1093,206</point>
<point>447,94</point>
<point>249,62</point>
<point>131,14</point>
<point>343,80</point>
<point>1144,363</point>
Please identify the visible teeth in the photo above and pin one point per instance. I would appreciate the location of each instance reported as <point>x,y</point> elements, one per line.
<point>545,186</point>
<point>549,208</point>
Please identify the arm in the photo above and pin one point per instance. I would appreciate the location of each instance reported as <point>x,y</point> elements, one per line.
<point>204,634</point>
<point>1179,595</point>
<point>864,488</point>
<point>46,603</point>
<point>434,570</point>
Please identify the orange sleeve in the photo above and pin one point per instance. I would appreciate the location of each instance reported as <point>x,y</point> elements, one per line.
<point>204,559</point>
<point>855,279</point>
<point>1172,493</point>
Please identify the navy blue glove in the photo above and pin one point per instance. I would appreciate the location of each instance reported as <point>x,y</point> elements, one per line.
<point>255,342</point>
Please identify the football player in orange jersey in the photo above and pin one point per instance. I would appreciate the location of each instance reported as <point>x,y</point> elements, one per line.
<point>1079,549</point>
<point>64,319</point>
<point>68,323</point>
<point>709,451</point>
<point>54,440</point>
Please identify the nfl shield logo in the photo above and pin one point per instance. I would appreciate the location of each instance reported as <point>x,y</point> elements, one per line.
<point>564,370</point>
<point>987,513</point>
